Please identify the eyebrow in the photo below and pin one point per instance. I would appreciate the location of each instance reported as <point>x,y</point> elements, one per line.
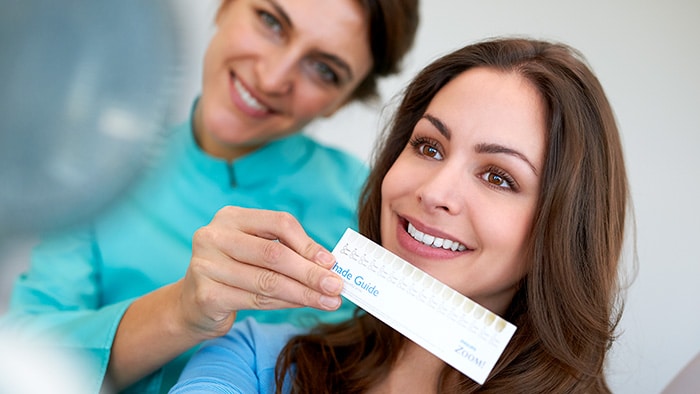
<point>482,147</point>
<point>437,123</point>
<point>281,12</point>
<point>496,148</point>
<point>340,63</point>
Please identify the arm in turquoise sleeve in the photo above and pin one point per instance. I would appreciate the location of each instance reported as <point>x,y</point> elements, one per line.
<point>58,300</point>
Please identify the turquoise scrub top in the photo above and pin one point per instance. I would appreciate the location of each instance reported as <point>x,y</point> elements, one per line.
<point>80,283</point>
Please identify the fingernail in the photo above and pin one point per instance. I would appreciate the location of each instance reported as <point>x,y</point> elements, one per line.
<point>332,284</point>
<point>325,258</point>
<point>330,302</point>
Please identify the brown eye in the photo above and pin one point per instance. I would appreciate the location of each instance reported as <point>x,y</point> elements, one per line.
<point>429,151</point>
<point>426,147</point>
<point>494,179</point>
<point>499,178</point>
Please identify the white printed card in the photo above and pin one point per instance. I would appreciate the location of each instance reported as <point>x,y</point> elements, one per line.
<point>454,328</point>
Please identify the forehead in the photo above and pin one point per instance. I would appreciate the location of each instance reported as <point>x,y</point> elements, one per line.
<point>492,105</point>
<point>488,106</point>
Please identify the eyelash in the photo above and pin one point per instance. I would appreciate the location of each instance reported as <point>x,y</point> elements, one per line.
<point>270,21</point>
<point>420,143</point>
<point>324,72</point>
<point>495,171</point>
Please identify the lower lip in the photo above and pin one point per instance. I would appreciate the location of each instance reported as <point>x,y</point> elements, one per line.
<point>407,242</point>
<point>241,104</point>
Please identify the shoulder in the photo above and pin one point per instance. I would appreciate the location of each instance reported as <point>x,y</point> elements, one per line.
<point>264,334</point>
<point>261,341</point>
<point>242,361</point>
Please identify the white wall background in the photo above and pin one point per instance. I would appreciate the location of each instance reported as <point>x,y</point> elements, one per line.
<point>647,55</point>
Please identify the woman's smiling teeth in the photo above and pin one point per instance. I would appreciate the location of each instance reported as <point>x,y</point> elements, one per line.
<point>434,241</point>
<point>247,97</point>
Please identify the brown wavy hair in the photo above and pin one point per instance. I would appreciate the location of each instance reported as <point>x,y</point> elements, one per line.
<point>568,305</point>
<point>392,31</point>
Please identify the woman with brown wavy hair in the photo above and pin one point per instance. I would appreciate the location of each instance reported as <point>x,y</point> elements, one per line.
<point>502,175</point>
<point>236,211</point>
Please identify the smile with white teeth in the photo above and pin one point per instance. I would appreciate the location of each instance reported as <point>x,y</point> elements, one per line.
<point>434,241</point>
<point>247,97</point>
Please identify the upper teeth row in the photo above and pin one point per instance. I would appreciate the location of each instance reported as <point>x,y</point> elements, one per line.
<point>434,241</point>
<point>247,97</point>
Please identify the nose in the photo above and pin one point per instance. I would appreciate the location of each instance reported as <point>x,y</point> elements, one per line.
<point>443,191</point>
<point>277,71</point>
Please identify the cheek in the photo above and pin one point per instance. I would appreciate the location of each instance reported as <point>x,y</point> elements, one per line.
<point>211,56</point>
<point>392,190</point>
<point>215,62</point>
<point>395,182</point>
<point>312,100</point>
<point>509,236</point>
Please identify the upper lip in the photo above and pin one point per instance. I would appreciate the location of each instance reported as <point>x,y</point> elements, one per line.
<point>431,230</point>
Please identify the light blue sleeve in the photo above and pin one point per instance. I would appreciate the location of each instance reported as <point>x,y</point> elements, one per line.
<point>242,361</point>
<point>58,299</point>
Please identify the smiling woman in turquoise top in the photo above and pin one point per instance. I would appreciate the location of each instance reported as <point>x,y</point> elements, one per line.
<point>235,216</point>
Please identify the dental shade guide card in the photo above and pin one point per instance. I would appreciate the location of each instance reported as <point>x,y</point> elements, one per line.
<point>451,326</point>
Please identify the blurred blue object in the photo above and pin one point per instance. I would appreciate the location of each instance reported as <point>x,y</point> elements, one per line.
<point>85,89</point>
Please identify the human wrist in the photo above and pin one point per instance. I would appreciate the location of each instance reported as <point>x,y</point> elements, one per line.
<point>188,321</point>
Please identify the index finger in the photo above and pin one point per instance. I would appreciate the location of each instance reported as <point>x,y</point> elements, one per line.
<point>284,227</point>
<point>296,255</point>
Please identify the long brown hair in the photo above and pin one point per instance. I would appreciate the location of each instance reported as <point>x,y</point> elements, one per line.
<point>392,31</point>
<point>567,307</point>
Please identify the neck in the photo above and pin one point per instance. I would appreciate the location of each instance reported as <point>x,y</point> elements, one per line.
<point>416,371</point>
<point>213,147</point>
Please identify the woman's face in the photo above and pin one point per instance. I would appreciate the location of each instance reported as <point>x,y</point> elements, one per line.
<point>460,199</point>
<point>275,65</point>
